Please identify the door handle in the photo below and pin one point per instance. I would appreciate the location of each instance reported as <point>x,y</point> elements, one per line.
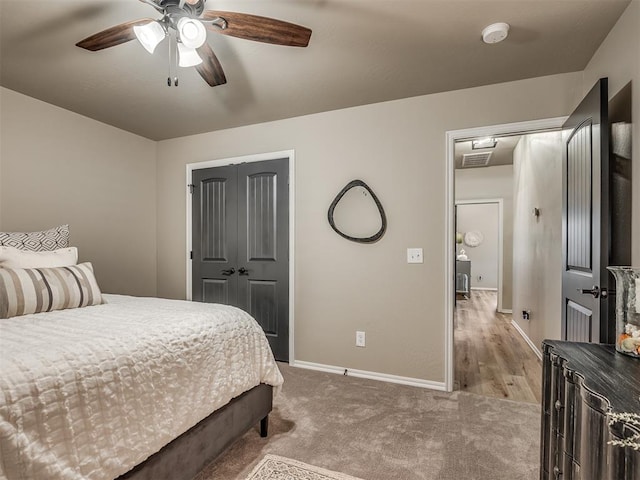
<point>595,291</point>
<point>229,271</point>
<point>243,271</point>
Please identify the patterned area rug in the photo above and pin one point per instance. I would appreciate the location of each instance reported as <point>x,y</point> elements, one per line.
<point>273,467</point>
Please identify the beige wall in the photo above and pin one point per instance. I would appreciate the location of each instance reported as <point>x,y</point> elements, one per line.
<point>59,167</point>
<point>537,258</point>
<point>493,182</point>
<point>398,148</point>
<point>49,158</point>
<point>618,58</point>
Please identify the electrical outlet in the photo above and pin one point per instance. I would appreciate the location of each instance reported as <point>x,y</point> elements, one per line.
<point>526,314</point>
<point>360,339</point>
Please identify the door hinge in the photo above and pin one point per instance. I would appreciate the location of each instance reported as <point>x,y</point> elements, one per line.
<point>191,187</point>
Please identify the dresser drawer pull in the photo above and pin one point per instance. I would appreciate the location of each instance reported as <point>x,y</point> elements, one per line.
<point>557,473</point>
<point>559,405</point>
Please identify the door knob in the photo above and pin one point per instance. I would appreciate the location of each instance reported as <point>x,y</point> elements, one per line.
<point>243,271</point>
<point>229,271</point>
<point>595,291</point>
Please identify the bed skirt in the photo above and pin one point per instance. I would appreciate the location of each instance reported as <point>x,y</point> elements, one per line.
<point>188,454</point>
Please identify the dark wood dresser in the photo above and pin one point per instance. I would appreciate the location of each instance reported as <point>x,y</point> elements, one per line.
<point>582,382</point>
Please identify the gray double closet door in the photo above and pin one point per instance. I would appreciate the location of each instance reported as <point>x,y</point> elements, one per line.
<point>240,242</point>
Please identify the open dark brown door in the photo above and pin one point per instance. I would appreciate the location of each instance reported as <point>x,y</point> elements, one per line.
<point>586,222</point>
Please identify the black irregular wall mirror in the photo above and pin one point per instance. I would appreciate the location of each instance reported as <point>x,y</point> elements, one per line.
<point>356,213</point>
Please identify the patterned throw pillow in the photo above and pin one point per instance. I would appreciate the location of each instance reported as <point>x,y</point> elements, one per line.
<point>35,290</point>
<point>46,240</point>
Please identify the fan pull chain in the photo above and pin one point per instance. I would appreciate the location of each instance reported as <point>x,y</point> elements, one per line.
<point>169,66</point>
<point>173,60</point>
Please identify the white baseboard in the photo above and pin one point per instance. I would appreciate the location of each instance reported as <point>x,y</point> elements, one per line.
<point>527,339</point>
<point>384,377</point>
<point>507,311</point>
<point>491,289</point>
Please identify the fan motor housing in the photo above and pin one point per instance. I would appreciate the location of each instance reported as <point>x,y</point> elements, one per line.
<point>173,6</point>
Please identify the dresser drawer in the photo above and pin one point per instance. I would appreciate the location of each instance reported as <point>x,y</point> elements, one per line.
<point>582,383</point>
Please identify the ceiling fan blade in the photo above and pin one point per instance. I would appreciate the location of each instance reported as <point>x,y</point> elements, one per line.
<point>112,36</point>
<point>210,68</point>
<point>260,29</point>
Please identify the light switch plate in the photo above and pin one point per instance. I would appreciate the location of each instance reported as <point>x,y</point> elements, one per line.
<point>414,255</point>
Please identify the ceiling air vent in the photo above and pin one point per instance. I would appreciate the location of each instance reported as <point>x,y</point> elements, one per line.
<point>470,160</point>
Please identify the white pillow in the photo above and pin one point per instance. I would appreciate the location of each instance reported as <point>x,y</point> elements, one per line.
<point>11,257</point>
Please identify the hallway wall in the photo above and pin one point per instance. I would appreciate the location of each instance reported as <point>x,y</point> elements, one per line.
<point>537,265</point>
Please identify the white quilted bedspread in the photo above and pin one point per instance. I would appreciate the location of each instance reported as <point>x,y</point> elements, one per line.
<point>89,393</point>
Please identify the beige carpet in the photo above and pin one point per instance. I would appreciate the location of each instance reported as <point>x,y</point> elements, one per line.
<point>382,431</point>
<point>274,467</point>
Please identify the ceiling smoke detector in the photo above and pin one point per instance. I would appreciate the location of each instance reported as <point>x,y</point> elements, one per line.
<point>496,32</point>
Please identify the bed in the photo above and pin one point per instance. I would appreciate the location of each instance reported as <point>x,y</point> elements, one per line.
<point>135,388</point>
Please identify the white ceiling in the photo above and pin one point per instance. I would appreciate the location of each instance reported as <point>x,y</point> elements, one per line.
<point>361,52</point>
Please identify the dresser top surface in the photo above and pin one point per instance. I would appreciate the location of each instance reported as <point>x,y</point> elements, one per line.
<point>605,372</point>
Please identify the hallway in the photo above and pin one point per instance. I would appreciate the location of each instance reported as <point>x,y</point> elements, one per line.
<point>491,358</point>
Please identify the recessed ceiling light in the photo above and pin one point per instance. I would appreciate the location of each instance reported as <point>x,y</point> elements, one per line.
<point>496,32</point>
<point>488,142</point>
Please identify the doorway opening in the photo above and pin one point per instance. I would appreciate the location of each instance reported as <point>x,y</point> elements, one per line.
<point>480,236</point>
<point>484,345</point>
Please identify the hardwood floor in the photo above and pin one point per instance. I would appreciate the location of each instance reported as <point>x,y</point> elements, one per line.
<point>491,357</point>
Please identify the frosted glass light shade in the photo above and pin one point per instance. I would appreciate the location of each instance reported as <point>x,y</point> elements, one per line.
<point>188,57</point>
<point>149,35</point>
<point>192,32</point>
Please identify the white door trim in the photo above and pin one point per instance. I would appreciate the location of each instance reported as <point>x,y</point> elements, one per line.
<point>259,157</point>
<point>449,232</point>
<point>499,202</point>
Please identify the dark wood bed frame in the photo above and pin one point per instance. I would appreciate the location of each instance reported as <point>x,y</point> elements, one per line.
<point>189,453</point>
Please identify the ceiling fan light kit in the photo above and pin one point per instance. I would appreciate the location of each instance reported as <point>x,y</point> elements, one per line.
<point>192,32</point>
<point>150,35</point>
<point>188,57</point>
<point>186,22</point>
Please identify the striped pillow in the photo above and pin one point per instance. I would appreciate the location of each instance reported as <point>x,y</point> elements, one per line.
<point>35,290</point>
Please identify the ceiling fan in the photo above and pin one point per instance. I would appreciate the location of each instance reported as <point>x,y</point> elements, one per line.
<point>187,22</point>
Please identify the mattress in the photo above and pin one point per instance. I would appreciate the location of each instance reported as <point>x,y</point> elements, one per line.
<point>89,393</point>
